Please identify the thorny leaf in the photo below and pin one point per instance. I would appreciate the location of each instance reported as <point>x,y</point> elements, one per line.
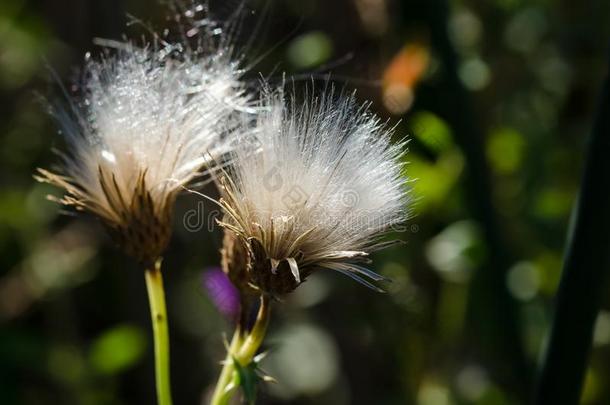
<point>248,379</point>
<point>250,375</point>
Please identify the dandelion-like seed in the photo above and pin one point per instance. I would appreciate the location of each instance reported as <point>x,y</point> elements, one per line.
<point>325,184</point>
<point>147,122</point>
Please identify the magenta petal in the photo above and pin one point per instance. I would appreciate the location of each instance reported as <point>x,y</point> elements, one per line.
<point>221,291</point>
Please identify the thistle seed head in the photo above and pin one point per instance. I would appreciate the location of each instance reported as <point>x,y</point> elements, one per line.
<point>323,186</point>
<point>149,120</point>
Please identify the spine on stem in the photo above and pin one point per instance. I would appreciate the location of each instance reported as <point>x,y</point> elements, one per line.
<point>242,349</point>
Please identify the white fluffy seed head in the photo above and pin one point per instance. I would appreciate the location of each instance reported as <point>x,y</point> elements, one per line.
<point>323,186</point>
<point>148,120</point>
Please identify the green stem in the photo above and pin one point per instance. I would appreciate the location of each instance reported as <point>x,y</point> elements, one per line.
<point>257,334</point>
<point>242,349</point>
<point>223,391</point>
<point>158,314</point>
<point>585,275</point>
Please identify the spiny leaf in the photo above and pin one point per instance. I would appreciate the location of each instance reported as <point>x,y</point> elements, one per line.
<point>250,375</point>
<point>248,378</point>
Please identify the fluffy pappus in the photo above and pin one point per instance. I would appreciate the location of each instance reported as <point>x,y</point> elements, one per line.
<point>323,186</point>
<point>149,120</point>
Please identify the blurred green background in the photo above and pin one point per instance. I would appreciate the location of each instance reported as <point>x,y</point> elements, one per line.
<point>497,98</point>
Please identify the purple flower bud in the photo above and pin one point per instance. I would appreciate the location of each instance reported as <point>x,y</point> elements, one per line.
<point>221,291</point>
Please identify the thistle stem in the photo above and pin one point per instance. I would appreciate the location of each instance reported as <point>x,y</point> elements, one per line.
<point>257,334</point>
<point>242,349</point>
<point>158,314</point>
<point>222,392</point>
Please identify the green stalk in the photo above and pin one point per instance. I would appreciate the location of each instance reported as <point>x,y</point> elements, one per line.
<point>242,349</point>
<point>257,334</point>
<point>158,314</point>
<point>223,390</point>
<point>584,279</point>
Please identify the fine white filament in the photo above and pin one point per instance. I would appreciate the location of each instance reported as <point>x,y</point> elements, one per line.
<point>323,186</point>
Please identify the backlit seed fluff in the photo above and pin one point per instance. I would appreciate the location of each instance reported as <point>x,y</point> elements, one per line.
<point>324,184</point>
<point>148,120</point>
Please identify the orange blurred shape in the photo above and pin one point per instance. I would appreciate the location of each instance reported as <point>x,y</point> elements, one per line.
<point>402,75</point>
